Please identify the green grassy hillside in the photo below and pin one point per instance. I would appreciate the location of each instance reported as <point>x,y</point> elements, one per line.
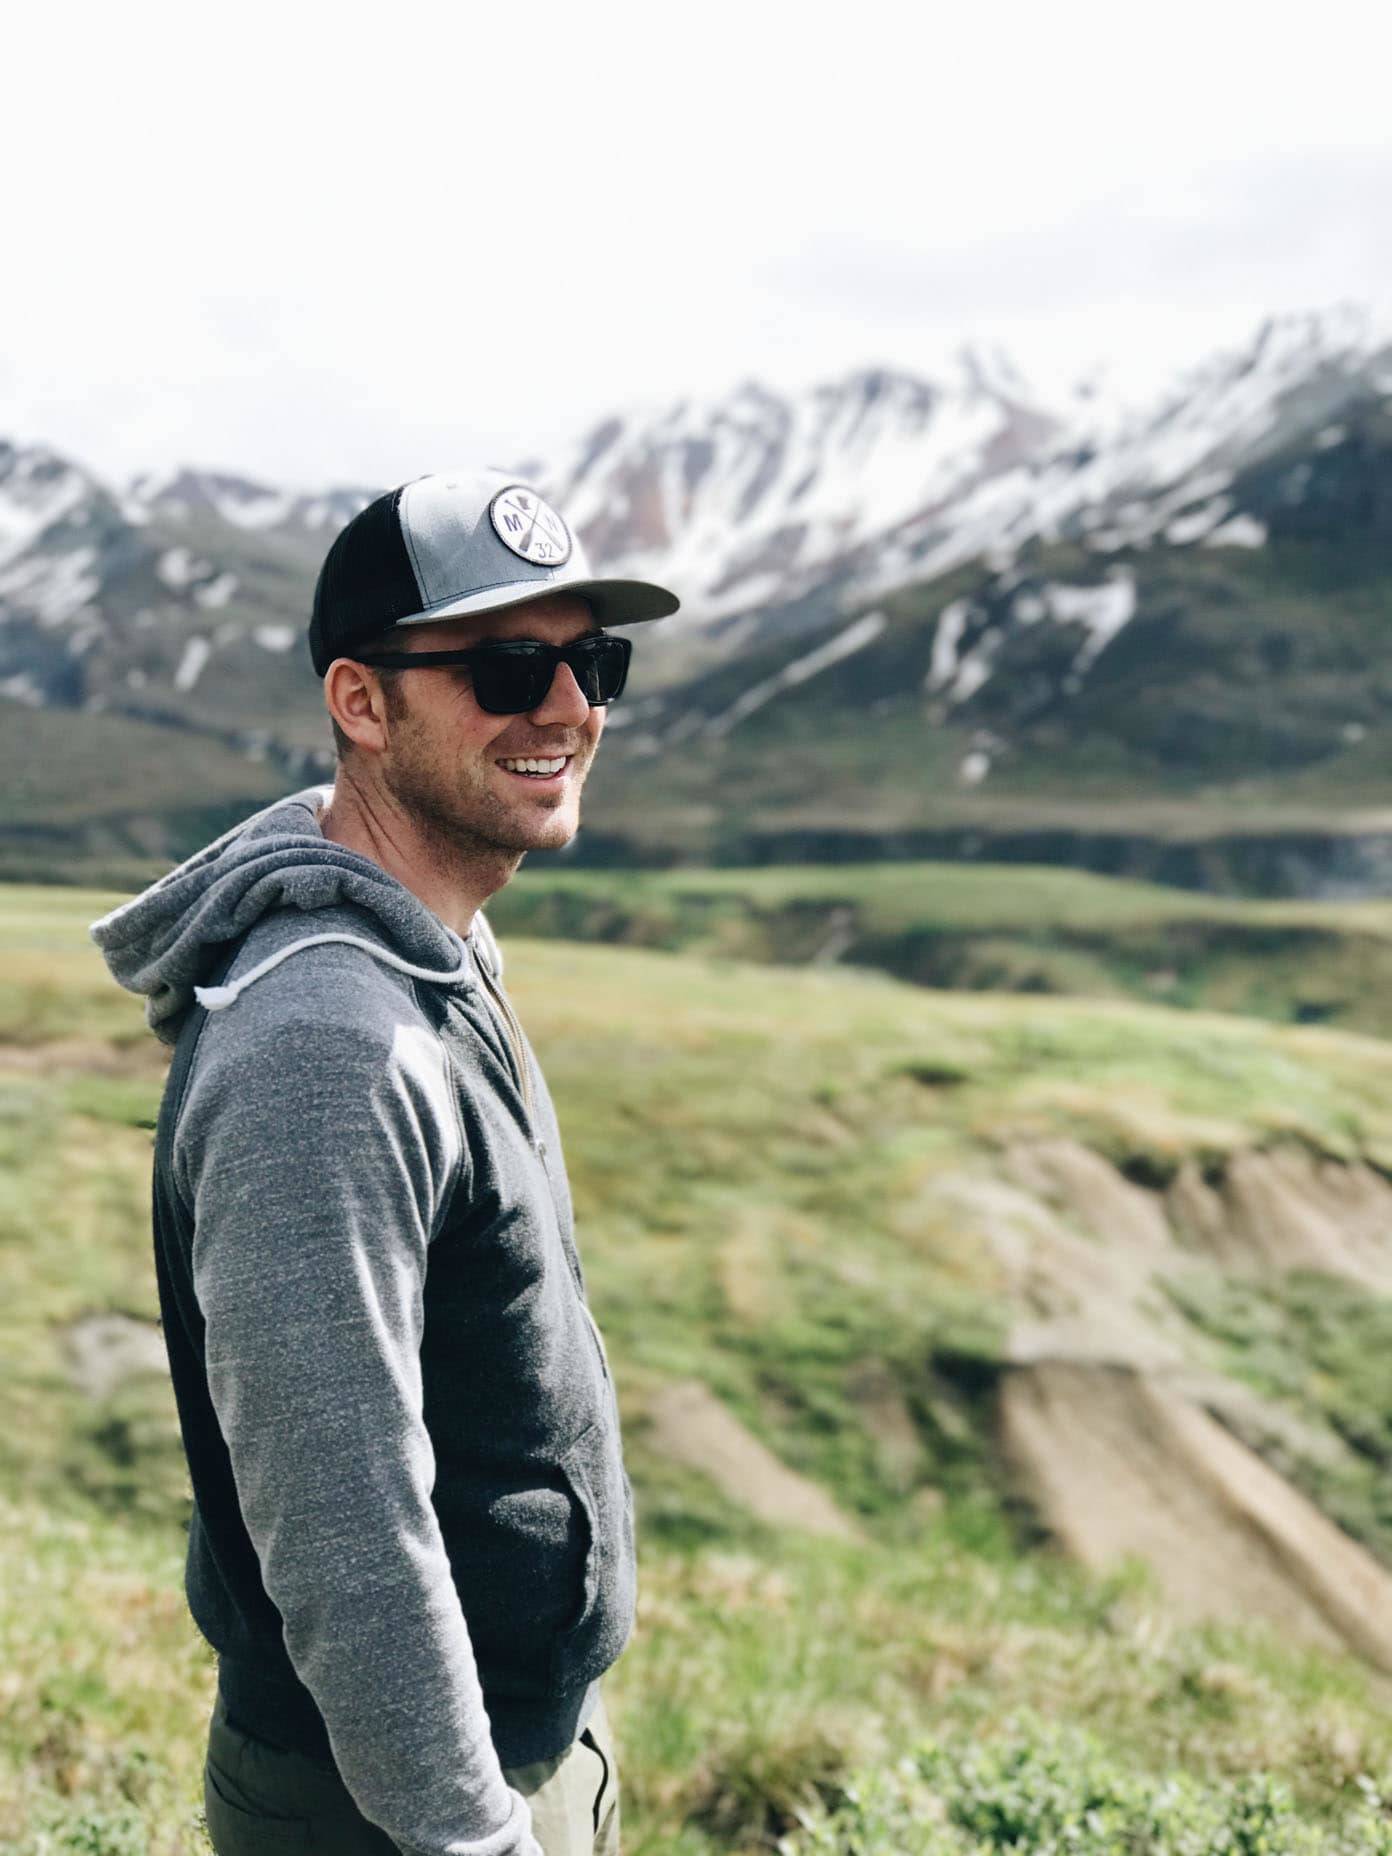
<point>114,799</point>
<point>1000,928</point>
<point>789,1188</point>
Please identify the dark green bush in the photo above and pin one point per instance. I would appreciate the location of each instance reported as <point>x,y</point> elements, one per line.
<point>1050,1793</point>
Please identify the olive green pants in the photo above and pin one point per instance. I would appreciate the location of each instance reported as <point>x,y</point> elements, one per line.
<point>261,1800</point>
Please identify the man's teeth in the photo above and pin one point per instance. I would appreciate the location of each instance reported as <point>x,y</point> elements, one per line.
<point>536,766</point>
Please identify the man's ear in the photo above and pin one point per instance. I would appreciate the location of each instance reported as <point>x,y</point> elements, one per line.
<point>355,698</point>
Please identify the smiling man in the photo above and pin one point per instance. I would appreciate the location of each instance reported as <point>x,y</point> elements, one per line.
<point>464,793</point>
<point>412,1536</point>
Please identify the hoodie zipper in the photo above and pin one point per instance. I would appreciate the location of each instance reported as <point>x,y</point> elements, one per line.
<point>514,1037</point>
<point>594,1329</point>
<point>514,1034</point>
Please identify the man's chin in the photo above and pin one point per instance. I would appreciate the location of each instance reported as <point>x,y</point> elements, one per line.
<point>547,831</point>
<point>554,839</point>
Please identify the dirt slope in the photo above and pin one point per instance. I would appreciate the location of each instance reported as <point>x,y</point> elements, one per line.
<point>691,1426</point>
<point>1123,1431</point>
<point>1283,1209</point>
<point>1118,1463</point>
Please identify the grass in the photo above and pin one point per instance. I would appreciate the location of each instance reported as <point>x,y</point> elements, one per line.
<point>1321,1349</point>
<point>753,1155</point>
<point>1046,1790</point>
<point>998,928</point>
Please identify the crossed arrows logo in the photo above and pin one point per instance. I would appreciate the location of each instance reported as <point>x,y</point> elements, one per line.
<point>530,527</point>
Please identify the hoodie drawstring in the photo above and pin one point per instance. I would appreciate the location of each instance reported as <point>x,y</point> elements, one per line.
<point>217,998</point>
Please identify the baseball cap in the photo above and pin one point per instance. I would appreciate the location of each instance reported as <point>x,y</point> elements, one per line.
<point>458,542</point>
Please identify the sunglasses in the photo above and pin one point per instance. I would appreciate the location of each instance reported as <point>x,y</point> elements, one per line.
<point>513,675</point>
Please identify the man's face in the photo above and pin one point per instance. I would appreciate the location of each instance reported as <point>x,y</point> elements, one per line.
<point>444,757</point>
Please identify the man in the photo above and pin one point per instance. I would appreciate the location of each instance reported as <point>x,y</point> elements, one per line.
<point>412,1536</point>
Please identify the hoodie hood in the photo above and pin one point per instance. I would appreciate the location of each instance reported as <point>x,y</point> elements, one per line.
<point>166,942</point>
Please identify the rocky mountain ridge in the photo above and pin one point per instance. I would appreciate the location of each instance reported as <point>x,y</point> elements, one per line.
<point>1021,597</point>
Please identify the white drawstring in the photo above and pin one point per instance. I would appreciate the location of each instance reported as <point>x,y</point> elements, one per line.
<point>216,998</point>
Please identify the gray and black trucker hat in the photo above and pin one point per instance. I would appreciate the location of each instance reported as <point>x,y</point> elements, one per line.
<point>457,542</point>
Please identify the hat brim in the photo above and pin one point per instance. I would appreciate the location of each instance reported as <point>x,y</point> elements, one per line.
<point>615,602</point>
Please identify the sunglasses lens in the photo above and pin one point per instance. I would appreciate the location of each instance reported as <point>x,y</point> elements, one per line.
<point>603,669</point>
<point>509,682</point>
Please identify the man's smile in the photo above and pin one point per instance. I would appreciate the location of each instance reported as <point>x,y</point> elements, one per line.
<point>544,770</point>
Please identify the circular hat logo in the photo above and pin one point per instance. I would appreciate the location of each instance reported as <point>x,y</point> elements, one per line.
<point>530,526</point>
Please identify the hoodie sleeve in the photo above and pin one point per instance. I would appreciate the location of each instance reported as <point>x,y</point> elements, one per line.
<point>317,1159</point>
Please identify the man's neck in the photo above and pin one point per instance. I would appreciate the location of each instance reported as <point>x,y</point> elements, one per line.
<point>452,884</point>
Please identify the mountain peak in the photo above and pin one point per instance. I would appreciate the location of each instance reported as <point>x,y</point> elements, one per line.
<point>988,370</point>
<point>186,490</point>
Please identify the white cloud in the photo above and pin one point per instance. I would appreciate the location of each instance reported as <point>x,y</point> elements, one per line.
<point>279,241</point>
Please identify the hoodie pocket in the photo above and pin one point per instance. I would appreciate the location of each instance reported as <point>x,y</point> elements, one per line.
<point>603,1618</point>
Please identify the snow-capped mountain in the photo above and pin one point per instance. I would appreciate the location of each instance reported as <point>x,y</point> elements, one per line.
<point>748,505</point>
<point>1124,477</point>
<point>1252,443</point>
<point>749,499</point>
<point>118,599</point>
<point>738,501</point>
<point>981,572</point>
<point>178,495</point>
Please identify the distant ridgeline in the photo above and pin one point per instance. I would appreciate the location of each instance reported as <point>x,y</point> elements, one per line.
<point>919,620</point>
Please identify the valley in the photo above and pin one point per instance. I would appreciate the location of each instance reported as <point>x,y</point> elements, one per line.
<point>893,1280</point>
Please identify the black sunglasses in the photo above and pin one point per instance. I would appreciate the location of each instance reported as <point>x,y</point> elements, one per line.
<point>512,675</point>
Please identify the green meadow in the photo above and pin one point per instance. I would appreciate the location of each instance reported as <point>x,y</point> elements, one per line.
<point>756,1151</point>
<point>991,927</point>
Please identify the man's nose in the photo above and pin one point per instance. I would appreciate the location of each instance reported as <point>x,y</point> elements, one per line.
<point>565,701</point>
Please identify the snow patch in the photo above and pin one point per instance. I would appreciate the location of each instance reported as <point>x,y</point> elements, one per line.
<point>148,486</point>
<point>1241,532</point>
<point>952,673</point>
<point>51,586</point>
<point>952,622</point>
<point>33,498</point>
<point>196,654</point>
<point>974,767</point>
<point>1102,610</point>
<point>179,569</point>
<point>215,593</point>
<point>957,675</point>
<point>854,638</point>
<point>22,688</point>
<point>249,506</point>
<point>1194,524</point>
<point>276,637</point>
<point>132,511</point>
<point>82,638</point>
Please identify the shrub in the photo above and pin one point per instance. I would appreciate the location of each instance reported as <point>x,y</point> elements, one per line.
<point>1051,1793</point>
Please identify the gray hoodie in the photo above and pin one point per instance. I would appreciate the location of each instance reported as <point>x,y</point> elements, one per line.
<point>412,1534</point>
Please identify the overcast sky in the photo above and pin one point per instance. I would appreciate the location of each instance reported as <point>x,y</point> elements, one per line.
<point>317,243</point>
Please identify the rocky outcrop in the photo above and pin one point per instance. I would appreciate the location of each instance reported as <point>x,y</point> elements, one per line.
<point>688,1424</point>
<point>1119,1464</point>
<point>1284,1209</point>
<point>1124,1435</point>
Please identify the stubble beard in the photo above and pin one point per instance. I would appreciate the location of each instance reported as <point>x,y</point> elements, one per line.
<point>464,818</point>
